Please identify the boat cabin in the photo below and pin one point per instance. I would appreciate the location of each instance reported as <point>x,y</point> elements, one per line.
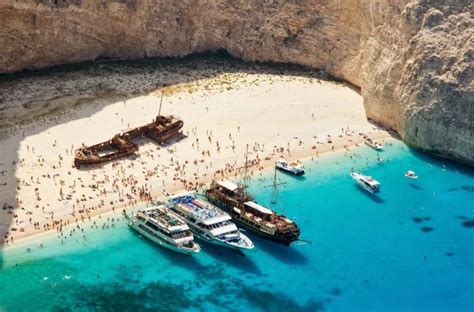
<point>369,182</point>
<point>234,191</point>
<point>259,211</point>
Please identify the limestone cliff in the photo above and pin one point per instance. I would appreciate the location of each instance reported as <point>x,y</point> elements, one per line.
<point>413,60</point>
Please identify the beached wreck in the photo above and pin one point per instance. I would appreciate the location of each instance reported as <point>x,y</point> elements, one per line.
<point>162,129</point>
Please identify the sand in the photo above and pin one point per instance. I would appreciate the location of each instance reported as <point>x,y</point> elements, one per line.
<point>274,115</point>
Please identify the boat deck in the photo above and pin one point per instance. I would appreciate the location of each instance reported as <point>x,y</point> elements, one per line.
<point>203,210</point>
<point>164,218</point>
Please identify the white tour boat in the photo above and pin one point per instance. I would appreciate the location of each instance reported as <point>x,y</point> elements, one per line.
<point>366,182</point>
<point>374,144</point>
<point>208,222</point>
<point>293,167</point>
<point>163,227</point>
<point>411,174</point>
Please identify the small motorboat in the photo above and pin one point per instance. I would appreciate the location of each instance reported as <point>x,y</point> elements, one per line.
<point>366,182</point>
<point>374,144</point>
<point>291,167</point>
<point>411,174</point>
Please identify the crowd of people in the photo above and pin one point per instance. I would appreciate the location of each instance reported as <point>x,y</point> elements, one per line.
<point>157,171</point>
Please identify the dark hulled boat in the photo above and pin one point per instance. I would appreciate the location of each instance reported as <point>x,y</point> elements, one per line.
<point>121,145</point>
<point>246,212</point>
<point>162,129</point>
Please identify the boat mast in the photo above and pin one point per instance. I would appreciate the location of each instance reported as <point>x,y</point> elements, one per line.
<point>246,164</point>
<point>274,187</point>
<point>161,102</point>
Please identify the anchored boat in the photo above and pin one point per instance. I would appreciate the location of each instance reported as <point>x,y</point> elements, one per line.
<point>249,214</point>
<point>208,222</point>
<point>164,228</point>
<point>293,167</point>
<point>374,144</point>
<point>162,129</point>
<point>235,200</point>
<point>411,174</point>
<point>366,182</point>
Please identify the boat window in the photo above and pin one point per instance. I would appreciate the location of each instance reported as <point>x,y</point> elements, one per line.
<point>153,226</point>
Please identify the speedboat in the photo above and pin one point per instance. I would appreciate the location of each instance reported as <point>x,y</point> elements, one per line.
<point>163,227</point>
<point>293,167</point>
<point>366,182</point>
<point>208,222</point>
<point>374,144</point>
<point>411,174</point>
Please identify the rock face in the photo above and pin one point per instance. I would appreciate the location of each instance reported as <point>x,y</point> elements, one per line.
<point>413,60</point>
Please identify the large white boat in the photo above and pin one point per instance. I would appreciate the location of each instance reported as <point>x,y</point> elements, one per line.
<point>366,182</point>
<point>374,144</point>
<point>208,222</point>
<point>163,227</point>
<point>293,167</point>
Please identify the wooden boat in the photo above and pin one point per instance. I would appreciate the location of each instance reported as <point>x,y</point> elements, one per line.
<point>246,212</point>
<point>162,129</point>
<point>249,214</point>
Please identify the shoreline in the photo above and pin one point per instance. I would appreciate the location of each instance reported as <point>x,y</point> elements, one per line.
<point>223,109</point>
<point>264,166</point>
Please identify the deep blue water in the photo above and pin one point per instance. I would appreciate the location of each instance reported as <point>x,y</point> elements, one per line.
<point>411,248</point>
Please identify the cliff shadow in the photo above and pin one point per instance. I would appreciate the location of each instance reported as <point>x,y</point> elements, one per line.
<point>442,163</point>
<point>31,102</point>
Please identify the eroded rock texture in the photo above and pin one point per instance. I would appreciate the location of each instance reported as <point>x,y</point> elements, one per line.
<point>413,60</point>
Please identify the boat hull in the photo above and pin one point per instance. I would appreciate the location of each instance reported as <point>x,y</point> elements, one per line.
<point>286,241</point>
<point>161,242</point>
<point>375,147</point>
<point>220,243</point>
<point>296,173</point>
<point>121,145</point>
<point>357,178</point>
<point>368,189</point>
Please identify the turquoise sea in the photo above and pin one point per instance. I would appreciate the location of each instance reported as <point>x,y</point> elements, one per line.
<point>411,248</point>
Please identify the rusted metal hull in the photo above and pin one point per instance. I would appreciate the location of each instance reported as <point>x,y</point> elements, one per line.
<point>162,129</point>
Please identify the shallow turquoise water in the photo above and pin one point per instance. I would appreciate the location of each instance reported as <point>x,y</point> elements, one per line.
<point>367,253</point>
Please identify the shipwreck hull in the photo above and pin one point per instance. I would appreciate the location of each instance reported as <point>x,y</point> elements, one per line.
<point>96,159</point>
<point>121,145</point>
<point>161,136</point>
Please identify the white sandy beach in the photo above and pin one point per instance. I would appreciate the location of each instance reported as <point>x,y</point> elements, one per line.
<point>222,115</point>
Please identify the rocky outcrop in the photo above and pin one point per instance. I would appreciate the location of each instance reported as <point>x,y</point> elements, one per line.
<point>413,60</point>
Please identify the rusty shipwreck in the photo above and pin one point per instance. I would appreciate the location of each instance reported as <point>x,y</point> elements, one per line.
<point>162,129</point>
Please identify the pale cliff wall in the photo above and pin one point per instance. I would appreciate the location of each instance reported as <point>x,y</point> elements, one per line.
<point>414,60</point>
